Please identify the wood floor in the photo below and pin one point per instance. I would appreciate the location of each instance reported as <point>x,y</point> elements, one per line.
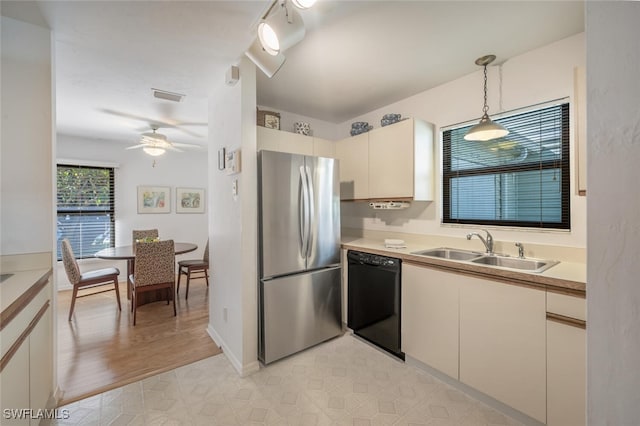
<point>100,349</point>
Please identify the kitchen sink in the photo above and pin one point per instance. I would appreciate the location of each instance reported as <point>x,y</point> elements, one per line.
<point>494,260</point>
<point>448,253</point>
<point>531,265</point>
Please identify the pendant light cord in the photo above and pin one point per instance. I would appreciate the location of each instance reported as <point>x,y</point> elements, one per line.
<point>485,108</point>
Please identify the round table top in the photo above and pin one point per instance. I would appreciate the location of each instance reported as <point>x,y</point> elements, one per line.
<point>126,252</point>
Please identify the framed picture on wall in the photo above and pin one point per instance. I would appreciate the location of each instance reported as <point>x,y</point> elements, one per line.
<point>154,199</point>
<point>190,200</point>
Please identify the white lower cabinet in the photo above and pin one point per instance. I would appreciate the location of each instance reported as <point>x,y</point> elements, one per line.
<point>503,343</point>
<point>430,317</point>
<point>566,360</point>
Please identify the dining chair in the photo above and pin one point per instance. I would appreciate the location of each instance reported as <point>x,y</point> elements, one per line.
<point>139,234</point>
<point>194,268</point>
<point>95,278</point>
<point>155,270</point>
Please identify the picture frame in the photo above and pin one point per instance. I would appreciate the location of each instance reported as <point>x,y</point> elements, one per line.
<point>268,119</point>
<point>190,200</point>
<point>154,199</point>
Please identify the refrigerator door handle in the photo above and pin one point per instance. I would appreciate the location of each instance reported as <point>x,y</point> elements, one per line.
<point>312,212</point>
<point>304,213</point>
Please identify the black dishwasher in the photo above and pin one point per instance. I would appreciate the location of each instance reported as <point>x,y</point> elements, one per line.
<point>374,299</point>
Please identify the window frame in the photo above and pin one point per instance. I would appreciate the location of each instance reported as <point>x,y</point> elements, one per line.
<point>564,164</point>
<point>110,212</point>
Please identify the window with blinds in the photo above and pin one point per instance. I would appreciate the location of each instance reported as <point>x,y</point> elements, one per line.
<point>521,179</point>
<point>85,204</point>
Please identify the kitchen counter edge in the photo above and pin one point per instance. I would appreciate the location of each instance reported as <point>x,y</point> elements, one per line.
<point>565,278</point>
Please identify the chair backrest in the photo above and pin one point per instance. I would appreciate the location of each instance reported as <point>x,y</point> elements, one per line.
<point>69,261</point>
<point>155,263</point>
<point>205,257</point>
<point>138,234</point>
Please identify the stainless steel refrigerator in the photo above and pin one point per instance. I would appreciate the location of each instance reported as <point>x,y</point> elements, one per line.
<point>300,302</point>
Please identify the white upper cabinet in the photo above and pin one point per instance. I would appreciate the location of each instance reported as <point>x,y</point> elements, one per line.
<point>397,163</point>
<point>353,154</point>
<point>294,143</point>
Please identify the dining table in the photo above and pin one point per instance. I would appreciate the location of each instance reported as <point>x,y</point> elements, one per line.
<point>127,253</point>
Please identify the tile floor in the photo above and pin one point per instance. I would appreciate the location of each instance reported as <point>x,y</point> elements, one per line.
<point>341,382</point>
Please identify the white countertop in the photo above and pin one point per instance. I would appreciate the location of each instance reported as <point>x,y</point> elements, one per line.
<point>569,275</point>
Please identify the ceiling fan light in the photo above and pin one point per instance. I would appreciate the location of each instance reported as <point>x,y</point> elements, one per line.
<point>303,4</point>
<point>153,151</point>
<point>485,130</point>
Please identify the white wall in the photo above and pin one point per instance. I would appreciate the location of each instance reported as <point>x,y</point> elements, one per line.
<point>538,76</point>
<point>319,128</point>
<point>27,138</point>
<point>613,207</point>
<point>173,169</point>
<point>233,222</point>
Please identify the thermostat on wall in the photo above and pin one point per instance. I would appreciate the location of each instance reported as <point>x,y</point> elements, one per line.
<point>389,205</point>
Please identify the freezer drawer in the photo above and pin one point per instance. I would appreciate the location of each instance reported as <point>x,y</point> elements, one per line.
<point>299,311</point>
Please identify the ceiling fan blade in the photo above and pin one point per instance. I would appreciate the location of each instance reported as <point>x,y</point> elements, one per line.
<point>136,146</point>
<point>186,145</point>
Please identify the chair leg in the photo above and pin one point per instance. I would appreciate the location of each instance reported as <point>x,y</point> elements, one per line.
<point>174,301</point>
<point>73,301</point>
<point>186,295</point>
<point>206,275</point>
<point>133,306</point>
<point>179,275</point>
<point>115,283</point>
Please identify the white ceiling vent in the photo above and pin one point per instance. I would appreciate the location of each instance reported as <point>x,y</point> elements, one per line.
<point>169,96</point>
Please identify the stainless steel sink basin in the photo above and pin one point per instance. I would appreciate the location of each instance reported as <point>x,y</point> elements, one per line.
<point>448,253</point>
<point>530,265</point>
<point>497,261</point>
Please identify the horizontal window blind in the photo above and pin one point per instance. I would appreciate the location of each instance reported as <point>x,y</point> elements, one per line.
<point>85,208</point>
<point>521,179</point>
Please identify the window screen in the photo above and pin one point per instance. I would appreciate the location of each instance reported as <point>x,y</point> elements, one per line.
<point>85,203</point>
<point>521,179</point>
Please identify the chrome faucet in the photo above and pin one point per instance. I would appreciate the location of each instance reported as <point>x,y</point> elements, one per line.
<point>520,250</point>
<point>488,242</point>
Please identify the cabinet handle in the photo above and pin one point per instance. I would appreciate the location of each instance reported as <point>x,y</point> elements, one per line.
<point>572,322</point>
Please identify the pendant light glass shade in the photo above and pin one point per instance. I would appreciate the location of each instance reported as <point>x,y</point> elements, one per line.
<point>281,30</point>
<point>486,129</point>
<point>268,64</point>
<point>153,151</point>
<point>303,4</point>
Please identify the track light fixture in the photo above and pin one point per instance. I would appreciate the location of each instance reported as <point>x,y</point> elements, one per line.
<point>269,64</point>
<point>280,28</point>
<point>486,129</point>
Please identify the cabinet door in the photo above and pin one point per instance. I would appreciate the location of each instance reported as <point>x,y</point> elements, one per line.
<point>353,154</point>
<point>391,161</point>
<point>276,140</point>
<point>566,371</point>
<point>14,383</point>
<point>41,361</point>
<point>323,148</point>
<point>430,317</point>
<point>502,343</point>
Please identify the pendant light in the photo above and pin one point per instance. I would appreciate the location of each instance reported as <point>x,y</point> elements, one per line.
<point>486,129</point>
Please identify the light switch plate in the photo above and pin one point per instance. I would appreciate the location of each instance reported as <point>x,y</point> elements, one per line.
<point>232,162</point>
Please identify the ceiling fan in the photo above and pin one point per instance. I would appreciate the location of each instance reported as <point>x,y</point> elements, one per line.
<point>155,144</point>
